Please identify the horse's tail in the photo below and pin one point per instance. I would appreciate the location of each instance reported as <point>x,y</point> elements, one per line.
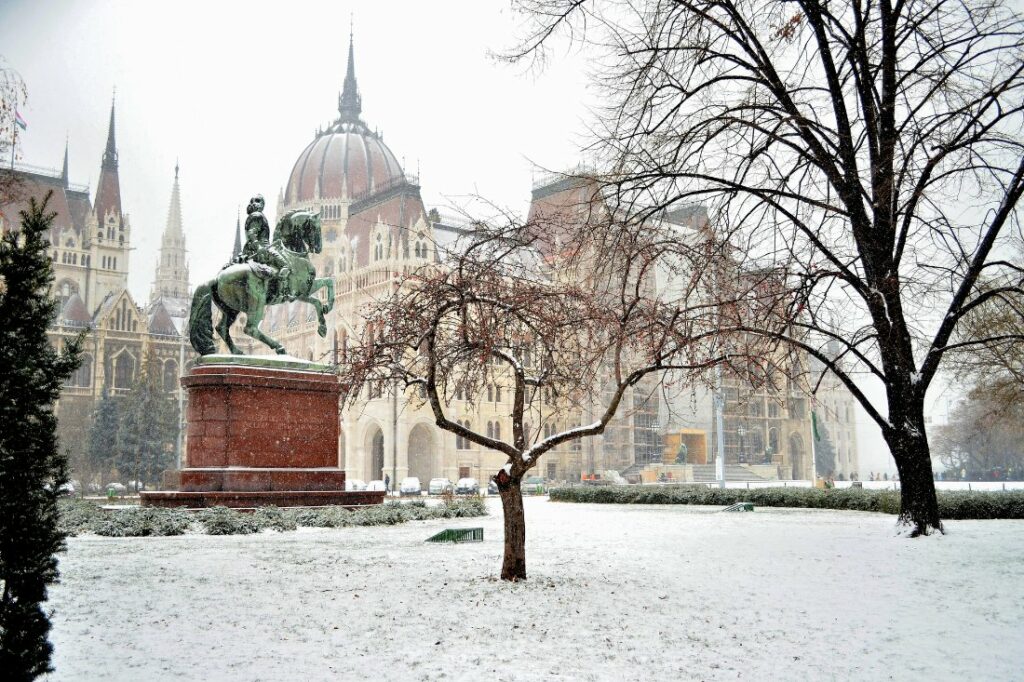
<point>200,321</point>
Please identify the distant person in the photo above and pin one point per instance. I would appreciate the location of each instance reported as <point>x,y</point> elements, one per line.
<point>387,483</point>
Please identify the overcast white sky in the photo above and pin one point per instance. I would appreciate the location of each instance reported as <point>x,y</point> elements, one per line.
<point>235,90</point>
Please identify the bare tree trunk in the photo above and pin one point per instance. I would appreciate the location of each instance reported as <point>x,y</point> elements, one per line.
<point>513,567</point>
<point>919,504</point>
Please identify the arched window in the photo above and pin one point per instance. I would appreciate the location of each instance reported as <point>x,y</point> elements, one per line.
<point>170,375</point>
<point>82,375</point>
<point>378,248</point>
<point>460,442</point>
<point>124,370</point>
<point>490,429</point>
<point>490,393</point>
<point>497,430</point>
<point>497,393</point>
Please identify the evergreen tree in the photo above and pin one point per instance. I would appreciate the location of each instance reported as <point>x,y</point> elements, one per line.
<point>148,429</point>
<point>101,447</point>
<point>32,469</point>
<point>824,451</point>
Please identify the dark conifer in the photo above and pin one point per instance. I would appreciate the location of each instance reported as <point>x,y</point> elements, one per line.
<point>148,429</point>
<point>101,448</point>
<point>32,469</point>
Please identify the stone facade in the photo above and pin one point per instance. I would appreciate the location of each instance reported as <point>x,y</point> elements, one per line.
<point>91,244</point>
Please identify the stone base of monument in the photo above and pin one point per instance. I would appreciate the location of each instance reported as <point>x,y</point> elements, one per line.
<point>261,431</point>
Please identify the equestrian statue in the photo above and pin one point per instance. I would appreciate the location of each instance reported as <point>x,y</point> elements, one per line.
<point>266,272</point>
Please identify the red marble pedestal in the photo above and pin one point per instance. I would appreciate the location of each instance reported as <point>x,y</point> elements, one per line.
<point>261,431</point>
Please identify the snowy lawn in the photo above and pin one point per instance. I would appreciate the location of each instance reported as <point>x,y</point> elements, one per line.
<point>615,592</point>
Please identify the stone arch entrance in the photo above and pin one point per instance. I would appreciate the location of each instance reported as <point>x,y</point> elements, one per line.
<point>421,454</point>
<point>374,448</point>
<point>796,456</point>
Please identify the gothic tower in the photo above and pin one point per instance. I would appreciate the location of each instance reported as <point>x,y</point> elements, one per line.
<point>171,281</point>
<point>108,227</point>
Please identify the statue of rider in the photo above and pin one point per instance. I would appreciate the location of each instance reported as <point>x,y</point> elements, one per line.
<point>259,249</point>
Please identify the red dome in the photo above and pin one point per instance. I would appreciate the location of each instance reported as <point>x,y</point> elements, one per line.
<point>346,161</point>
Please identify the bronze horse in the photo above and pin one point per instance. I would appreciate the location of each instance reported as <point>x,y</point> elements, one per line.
<point>250,287</point>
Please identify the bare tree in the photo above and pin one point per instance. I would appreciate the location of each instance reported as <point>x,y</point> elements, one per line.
<point>868,152</point>
<point>12,94</point>
<point>563,312</point>
<point>983,438</point>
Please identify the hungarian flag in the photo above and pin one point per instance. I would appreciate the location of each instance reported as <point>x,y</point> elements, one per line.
<point>19,120</point>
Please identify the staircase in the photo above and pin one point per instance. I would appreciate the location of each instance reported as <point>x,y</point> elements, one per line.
<point>705,473</point>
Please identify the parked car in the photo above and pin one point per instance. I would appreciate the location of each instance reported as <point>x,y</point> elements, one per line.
<point>467,486</point>
<point>439,486</point>
<point>492,487</point>
<point>354,485</point>
<point>534,485</point>
<point>409,486</point>
<point>377,485</point>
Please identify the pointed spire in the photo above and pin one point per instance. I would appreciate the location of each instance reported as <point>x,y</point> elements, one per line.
<point>110,154</point>
<point>64,173</point>
<point>238,235</point>
<point>108,189</point>
<point>174,228</point>
<point>350,104</point>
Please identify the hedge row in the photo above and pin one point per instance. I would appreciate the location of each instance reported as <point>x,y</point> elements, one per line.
<point>952,505</point>
<point>78,516</point>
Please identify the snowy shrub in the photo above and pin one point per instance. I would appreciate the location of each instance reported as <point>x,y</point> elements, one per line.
<point>77,516</point>
<point>952,505</point>
<point>224,521</point>
<point>464,508</point>
<point>273,518</point>
<point>387,514</point>
<point>322,517</point>
<point>142,521</point>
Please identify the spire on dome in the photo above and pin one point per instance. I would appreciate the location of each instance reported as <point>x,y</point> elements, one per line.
<point>110,154</point>
<point>350,104</point>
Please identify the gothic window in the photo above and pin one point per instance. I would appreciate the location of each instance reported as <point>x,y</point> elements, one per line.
<point>170,375</point>
<point>460,442</point>
<point>490,394</point>
<point>497,394</point>
<point>378,249</point>
<point>124,370</point>
<point>83,375</point>
<point>773,409</point>
<point>497,430</point>
<point>490,429</point>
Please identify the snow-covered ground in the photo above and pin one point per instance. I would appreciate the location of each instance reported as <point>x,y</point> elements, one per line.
<point>615,592</point>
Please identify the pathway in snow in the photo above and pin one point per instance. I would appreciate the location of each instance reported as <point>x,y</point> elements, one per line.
<point>641,592</point>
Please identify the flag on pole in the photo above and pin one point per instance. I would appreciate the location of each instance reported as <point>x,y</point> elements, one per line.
<point>19,120</point>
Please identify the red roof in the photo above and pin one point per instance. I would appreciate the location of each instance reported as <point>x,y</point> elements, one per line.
<point>342,164</point>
